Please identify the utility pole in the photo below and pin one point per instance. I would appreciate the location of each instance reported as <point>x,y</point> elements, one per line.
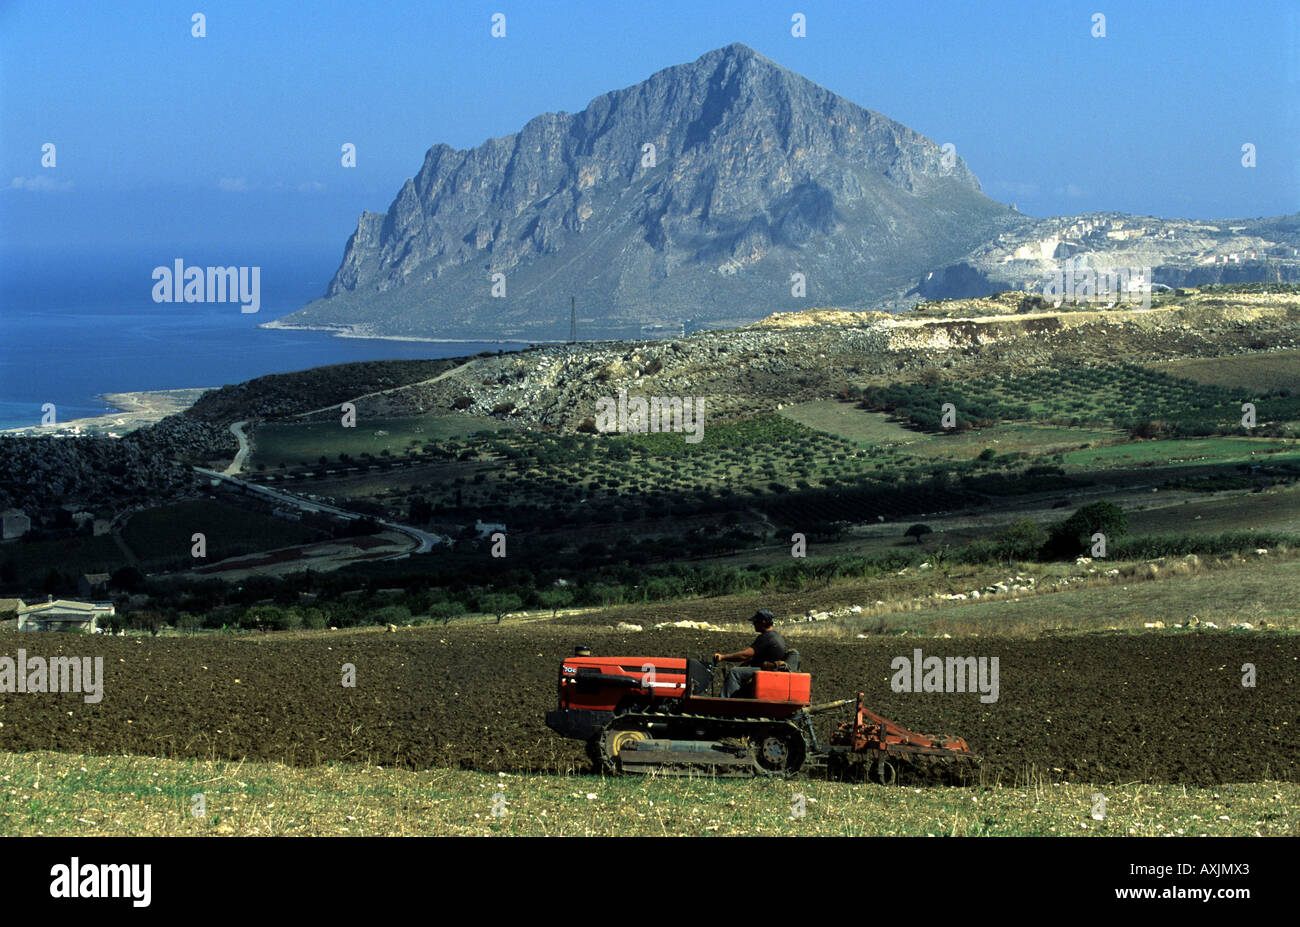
<point>573,320</point>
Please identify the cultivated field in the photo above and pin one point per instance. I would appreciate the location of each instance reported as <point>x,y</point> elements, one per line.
<point>1158,708</point>
<point>1274,370</point>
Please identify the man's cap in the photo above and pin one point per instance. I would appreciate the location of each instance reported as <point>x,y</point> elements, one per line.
<point>763,616</point>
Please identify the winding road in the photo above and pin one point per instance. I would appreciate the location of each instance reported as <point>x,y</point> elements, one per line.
<point>424,541</point>
<point>237,465</point>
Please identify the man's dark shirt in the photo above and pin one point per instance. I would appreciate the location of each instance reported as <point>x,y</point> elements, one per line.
<point>769,647</point>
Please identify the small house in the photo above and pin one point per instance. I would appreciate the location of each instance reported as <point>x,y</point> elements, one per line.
<point>63,615</point>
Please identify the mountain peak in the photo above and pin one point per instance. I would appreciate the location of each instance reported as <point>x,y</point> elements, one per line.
<point>696,193</point>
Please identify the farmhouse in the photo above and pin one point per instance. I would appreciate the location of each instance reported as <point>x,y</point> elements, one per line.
<point>62,615</point>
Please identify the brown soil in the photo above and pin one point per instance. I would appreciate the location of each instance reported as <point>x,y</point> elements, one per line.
<point>1098,708</point>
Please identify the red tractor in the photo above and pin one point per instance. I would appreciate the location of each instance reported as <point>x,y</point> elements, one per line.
<point>655,714</point>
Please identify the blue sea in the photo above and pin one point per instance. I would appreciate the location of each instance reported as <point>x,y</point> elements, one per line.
<point>75,325</point>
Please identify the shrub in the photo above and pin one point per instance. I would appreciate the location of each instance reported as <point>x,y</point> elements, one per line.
<point>918,532</point>
<point>1073,536</point>
<point>1022,540</point>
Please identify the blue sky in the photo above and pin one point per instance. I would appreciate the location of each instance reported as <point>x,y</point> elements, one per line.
<point>180,142</point>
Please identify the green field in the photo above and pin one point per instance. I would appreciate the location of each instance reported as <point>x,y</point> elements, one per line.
<point>847,421</point>
<point>1186,452</point>
<point>55,794</point>
<point>852,424</point>
<point>297,444</point>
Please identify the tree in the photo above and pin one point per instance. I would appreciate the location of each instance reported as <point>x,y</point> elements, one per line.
<point>555,599</point>
<point>1022,540</point>
<point>918,532</point>
<point>445,611</point>
<point>500,604</point>
<point>1073,536</point>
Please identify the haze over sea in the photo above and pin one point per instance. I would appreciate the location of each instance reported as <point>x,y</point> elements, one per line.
<point>75,325</point>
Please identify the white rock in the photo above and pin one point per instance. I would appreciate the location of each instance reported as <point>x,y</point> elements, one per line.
<point>628,626</point>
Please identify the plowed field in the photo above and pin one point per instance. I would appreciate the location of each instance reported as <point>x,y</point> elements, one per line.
<point>1096,708</point>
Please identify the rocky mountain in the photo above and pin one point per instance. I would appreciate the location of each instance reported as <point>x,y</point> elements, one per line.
<point>696,198</point>
<point>690,199</point>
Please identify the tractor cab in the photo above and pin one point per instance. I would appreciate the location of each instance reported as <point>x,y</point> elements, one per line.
<point>593,690</point>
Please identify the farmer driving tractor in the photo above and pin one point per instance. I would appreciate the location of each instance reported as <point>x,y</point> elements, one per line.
<point>768,648</point>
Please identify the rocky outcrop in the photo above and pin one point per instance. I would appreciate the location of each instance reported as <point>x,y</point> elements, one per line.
<point>1178,252</point>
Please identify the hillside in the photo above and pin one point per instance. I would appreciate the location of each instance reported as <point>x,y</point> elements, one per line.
<point>797,357</point>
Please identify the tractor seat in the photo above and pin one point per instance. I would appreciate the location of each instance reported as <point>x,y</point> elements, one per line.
<point>789,665</point>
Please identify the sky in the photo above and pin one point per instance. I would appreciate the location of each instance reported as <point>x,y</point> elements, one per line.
<point>168,140</point>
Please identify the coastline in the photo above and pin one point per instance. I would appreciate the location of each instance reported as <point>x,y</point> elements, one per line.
<point>133,410</point>
<point>353,331</point>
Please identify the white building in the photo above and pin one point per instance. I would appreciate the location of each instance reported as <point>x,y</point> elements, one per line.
<point>63,615</point>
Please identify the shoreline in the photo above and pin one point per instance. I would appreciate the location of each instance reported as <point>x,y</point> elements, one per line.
<point>132,410</point>
<point>349,331</point>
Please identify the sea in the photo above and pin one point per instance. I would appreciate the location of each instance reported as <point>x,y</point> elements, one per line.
<point>78,323</point>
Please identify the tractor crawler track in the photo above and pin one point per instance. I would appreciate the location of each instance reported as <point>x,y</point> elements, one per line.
<point>685,743</point>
